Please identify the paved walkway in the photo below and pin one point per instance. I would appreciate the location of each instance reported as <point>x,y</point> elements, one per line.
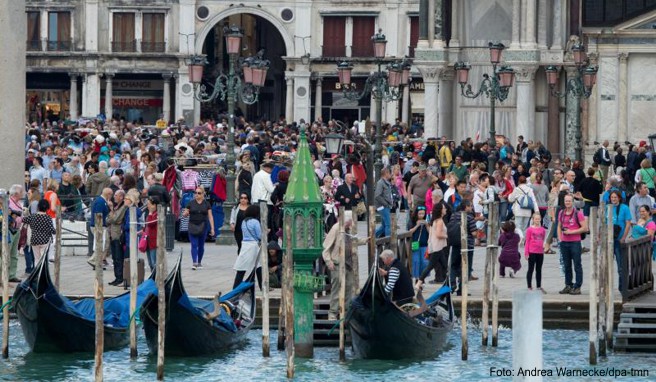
<point>78,277</point>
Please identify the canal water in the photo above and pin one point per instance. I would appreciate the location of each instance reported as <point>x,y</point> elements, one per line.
<point>563,350</point>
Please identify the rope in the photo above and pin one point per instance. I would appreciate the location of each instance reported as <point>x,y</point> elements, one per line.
<point>330,332</point>
<point>2,308</point>
<point>135,315</point>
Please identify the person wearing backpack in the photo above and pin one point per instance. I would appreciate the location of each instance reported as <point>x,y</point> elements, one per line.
<point>602,157</point>
<point>571,225</point>
<point>453,240</point>
<point>524,204</point>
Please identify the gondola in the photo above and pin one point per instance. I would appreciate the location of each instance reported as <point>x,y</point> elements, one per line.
<point>193,326</point>
<point>53,323</point>
<point>382,330</point>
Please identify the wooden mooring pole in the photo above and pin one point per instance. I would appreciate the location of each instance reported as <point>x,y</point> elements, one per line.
<point>495,275</point>
<point>371,230</point>
<point>342,284</point>
<point>160,276</point>
<point>610,261</point>
<point>603,284</point>
<point>593,287</point>
<point>134,258</point>
<point>288,295</point>
<point>487,276</point>
<point>264,261</point>
<point>57,243</point>
<point>99,297</point>
<point>464,282</point>
<point>5,275</point>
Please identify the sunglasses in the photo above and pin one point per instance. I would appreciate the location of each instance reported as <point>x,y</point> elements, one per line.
<point>198,193</point>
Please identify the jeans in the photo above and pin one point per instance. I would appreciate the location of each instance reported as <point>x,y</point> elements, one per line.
<point>116,248</point>
<point>385,228</point>
<point>151,254</point>
<point>419,263</point>
<point>455,267</point>
<point>219,216</point>
<point>503,211</point>
<point>571,253</point>
<point>29,259</point>
<point>198,246</point>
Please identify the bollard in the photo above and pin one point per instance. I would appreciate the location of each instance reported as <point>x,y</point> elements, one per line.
<point>288,295</point>
<point>99,297</point>
<point>134,258</point>
<point>593,287</point>
<point>464,282</point>
<point>610,290</point>
<point>264,254</point>
<point>372,235</point>
<point>342,284</point>
<point>5,274</point>
<point>160,276</point>
<point>489,271</point>
<point>58,231</point>
<point>527,333</point>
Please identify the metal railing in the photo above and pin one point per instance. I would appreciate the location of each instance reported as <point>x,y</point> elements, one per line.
<point>636,257</point>
<point>124,46</point>
<point>33,46</point>
<point>403,247</point>
<point>59,46</point>
<point>153,47</point>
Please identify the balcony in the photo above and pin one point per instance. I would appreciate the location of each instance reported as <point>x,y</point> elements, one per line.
<point>124,46</point>
<point>153,47</point>
<point>59,46</point>
<point>33,46</point>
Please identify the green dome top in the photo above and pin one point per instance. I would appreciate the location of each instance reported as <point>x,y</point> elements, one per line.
<point>303,187</point>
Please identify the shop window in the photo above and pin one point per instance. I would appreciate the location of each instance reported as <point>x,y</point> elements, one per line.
<point>33,31</point>
<point>153,33</point>
<point>59,31</point>
<point>334,30</point>
<point>414,35</point>
<point>363,29</point>
<point>123,32</point>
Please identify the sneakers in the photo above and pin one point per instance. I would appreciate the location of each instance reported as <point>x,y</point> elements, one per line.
<point>473,278</point>
<point>512,274</point>
<point>194,267</point>
<point>200,266</point>
<point>567,290</point>
<point>575,291</point>
<point>332,316</point>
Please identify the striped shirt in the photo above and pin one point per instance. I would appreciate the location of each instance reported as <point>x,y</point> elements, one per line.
<point>392,277</point>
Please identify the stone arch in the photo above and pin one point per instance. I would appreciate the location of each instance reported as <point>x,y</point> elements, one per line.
<point>211,22</point>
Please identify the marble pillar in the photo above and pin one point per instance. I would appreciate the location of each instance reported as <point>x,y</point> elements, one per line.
<point>525,117</point>
<point>572,117</point>
<point>13,30</point>
<point>405,111</point>
<point>431,76</point>
<point>431,23</point>
<point>318,99</point>
<point>529,25</point>
<point>623,98</point>
<point>455,25</point>
<point>423,19</point>
<point>593,127</point>
<point>109,106</point>
<point>553,124</point>
<point>543,27</point>
<point>91,25</point>
<point>72,101</point>
<point>516,17</point>
<point>445,104</point>
<point>302,100</point>
<point>289,100</point>
<point>166,97</point>
<point>557,25</point>
<point>91,95</point>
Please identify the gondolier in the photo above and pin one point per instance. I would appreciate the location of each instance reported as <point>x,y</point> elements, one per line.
<point>399,282</point>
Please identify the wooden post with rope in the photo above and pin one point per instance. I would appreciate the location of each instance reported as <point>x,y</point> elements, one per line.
<point>603,287</point>
<point>288,295</point>
<point>487,276</point>
<point>494,253</point>
<point>610,261</point>
<point>264,261</point>
<point>464,282</point>
<point>593,287</point>
<point>371,229</point>
<point>342,284</point>
<point>99,297</point>
<point>58,247</point>
<point>160,276</point>
<point>5,275</point>
<point>134,257</point>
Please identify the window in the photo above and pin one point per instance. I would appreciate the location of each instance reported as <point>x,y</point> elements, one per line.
<point>609,12</point>
<point>59,31</point>
<point>123,32</point>
<point>33,31</point>
<point>334,30</point>
<point>153,33</point>
<point>363,29</point>
<point>414,35</point>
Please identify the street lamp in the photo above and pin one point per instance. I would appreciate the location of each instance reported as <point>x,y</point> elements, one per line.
<point>383,86</point>
<point>495,87</point>
<point>334,143</point>
<point>230,88</point>
<point>578,86</point>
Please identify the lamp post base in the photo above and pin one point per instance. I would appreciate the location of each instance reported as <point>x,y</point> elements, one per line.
<point>491,162</point>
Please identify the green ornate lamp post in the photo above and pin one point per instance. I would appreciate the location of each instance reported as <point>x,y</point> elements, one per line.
<point>304,204</point>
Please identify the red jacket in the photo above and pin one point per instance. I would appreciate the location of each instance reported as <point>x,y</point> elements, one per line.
<point>151,230</point>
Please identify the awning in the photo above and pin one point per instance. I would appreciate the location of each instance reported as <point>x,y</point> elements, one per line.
<point>417,102</point>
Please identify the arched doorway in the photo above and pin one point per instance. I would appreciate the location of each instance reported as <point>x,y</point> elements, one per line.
<point>259,34</point>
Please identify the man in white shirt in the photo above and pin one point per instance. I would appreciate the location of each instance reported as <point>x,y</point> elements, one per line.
<point>262,189</point>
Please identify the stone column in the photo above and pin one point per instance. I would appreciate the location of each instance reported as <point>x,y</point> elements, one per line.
<point>302,105</point>
<point>529,25</point>
<point>593,127</point>
<point>318,100</point>
<point>445,104</point>
<point>525,122</point>
<point>13,30</point>
<point>423,19</point>
<point>405,105</point>
<point>572,116</point>
<point>516,17</point>
<point>455,25</point>
<point>91,95</point>
<point>109,106</point>
<point>72,98</point>
<point>373,115</point>
<point>553,123</point>
<point>557,23</point>
<point>543,12</point>
<point>431,75</point>
<point>43,33</point>
<point>623,98</point>
<point>166,97</point>
<point>431,23</point>
<point>289,100</point>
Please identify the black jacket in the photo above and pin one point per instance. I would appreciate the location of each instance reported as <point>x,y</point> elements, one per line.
<point>403,291</point>
<point>344,193</point>
<point>159,191</point>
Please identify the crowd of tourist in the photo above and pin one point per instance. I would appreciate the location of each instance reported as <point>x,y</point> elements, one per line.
<point>89,168</point>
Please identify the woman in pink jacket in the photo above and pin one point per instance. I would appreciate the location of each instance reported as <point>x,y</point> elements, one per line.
<point>534,251</point>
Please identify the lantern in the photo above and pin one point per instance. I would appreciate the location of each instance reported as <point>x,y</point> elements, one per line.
<point>379,44</point>
<point>233,37</point>
<point>394,76</point>
<point>506,77</point>
<point>462,72</point>
<point>552,75</point>
<point>495,52</point>
<point>259,75</point>
<point>578,51</point>
<point>405,74</point>
<point>589,77</point>
<point>344,70</point>
<point>334,143</point>
<point>196,64</point>
<point>248,73</point>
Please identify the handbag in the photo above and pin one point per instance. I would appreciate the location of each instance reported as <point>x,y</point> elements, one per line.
<point>143,243</point>
<point>196,229</point>
<point>415,246</point>
<point>22,239</point>
<point>360,208</point>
